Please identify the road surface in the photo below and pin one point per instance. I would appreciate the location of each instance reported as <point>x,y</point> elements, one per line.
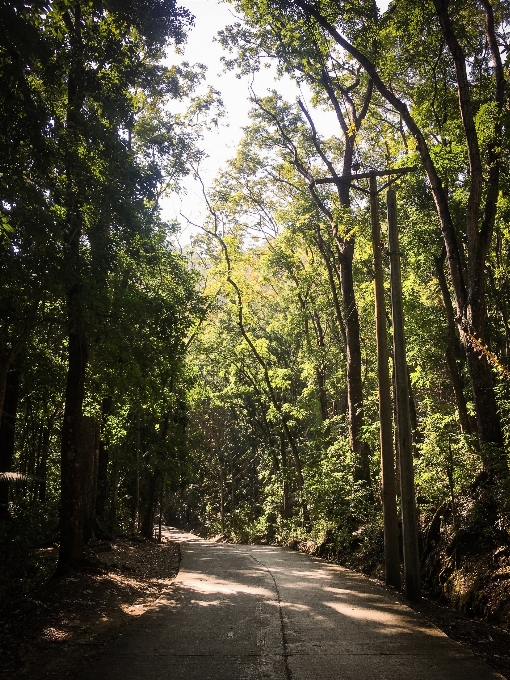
<point>238,612</point>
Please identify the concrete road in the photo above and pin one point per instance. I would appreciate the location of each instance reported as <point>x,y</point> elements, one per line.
<point>240,612</point>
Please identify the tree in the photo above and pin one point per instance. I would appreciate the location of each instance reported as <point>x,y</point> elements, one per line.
<point>314,61</point>
<point>87,118</point>
<point>476,124</point>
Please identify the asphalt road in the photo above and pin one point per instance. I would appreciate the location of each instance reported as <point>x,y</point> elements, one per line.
<point>238,612</point>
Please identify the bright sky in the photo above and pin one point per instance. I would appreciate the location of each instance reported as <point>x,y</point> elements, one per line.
<point>212,16</point>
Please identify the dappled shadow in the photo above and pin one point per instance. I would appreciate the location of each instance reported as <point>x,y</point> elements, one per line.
<point>317,598</point>
<point>50,631</point>
<point>328,594</point>
<point>243,612</point>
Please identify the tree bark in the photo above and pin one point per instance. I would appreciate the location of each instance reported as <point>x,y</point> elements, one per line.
<point>402,402</point>
<point>89,456</point>
<point>103,457</point>
<point>354,366</point>
<point>345,249</point>
<point>136,510</point>
<point>7,435</point>
<point>320,373</point>
<point>112,514</point>
<point>286,509</point>
<point>72,509</point>
<point>150,509</point>
<point>328,260</point>
<point>389,492</point>
<point>451,353</point>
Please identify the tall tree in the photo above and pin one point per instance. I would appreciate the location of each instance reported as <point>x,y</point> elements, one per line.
<point>454,40</point>
<point>315,61</point>
<point>79,84</point>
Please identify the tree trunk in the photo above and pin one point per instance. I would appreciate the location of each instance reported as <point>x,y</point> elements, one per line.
<point>7,435</point>
<point>345,250</point>
<point>42,469</point>
<point>330,268</point>
<point>136,511</point>
<point>320,371</point>
<point>402,402</point>
<point>390,521</point>
<point>451,357</point>
<point>152,500</point>
<point>354,366</point>
<point>90,455</point>
<point>222,500</point>
<point>286,510</point>
<point>115,495</point>
<point>72,510</point>
<point>102,464</point>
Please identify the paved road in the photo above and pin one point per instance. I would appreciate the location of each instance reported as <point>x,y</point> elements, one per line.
<point>241,612</point>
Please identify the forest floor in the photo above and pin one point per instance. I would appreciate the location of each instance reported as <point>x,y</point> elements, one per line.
<point>64,626</point>
<point>59,629</point>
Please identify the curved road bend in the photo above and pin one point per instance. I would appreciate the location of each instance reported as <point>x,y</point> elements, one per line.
<point>238,612</point>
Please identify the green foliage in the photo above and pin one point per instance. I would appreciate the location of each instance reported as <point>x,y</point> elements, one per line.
<point>262,197</point>
<point>218,377</point>
<point>91,139</point>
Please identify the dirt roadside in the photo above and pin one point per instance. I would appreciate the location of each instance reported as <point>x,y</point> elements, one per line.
<point>58,630</point>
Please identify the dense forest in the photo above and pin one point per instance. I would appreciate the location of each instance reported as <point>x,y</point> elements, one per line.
<point>256,383</point>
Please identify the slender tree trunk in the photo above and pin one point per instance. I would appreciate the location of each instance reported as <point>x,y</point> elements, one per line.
<point>222,500</point>
<point>405,442</point>
<point>7,435</point>
<point>345,249</point>
<point>115,495</point>
<point>89,457</point>
<point>287,510</point>
<point>389,497</point>
<point>72,509</point>
<point>160,518</point>
<point>451,353</point>
<point>42,468</point>
<point>136,513</point>
<point>72,514</point>
<point>330,268</point>
<point>102,464</point>
<point>320,371</point>
<point>346,252</point>
<point>147,529</point>
<point>354,366</point>
<point>412,410</point>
